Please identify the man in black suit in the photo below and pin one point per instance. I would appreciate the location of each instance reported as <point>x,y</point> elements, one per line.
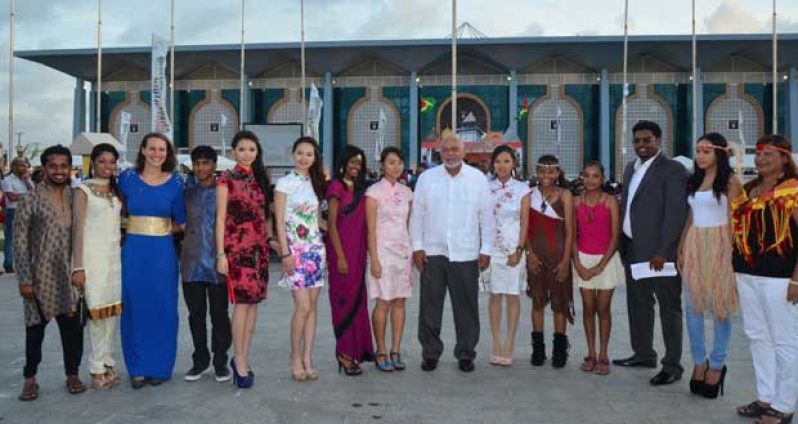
<point>654,205</point>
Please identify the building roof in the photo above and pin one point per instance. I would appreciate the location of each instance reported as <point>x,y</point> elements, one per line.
<point>587,54</point>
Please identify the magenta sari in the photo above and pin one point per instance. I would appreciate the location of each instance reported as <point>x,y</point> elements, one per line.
<point>348,293</point>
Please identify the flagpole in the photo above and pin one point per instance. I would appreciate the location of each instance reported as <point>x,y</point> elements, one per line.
<point>11,30</point>
<point>695,86</point>
<point>775,74</point>
<point>241,82</point>
<point>454,67</point>
<point>97,123</point>
<point>172,64</point>
<point>302,63</point>
<point>625,73</point>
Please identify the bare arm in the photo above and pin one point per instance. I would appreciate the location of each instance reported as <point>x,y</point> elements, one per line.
<point>524,221</point>
<point>221,217</point>
<point>371,224</point>
<point>568,203</point>
<point>284,253</point>
<point>79,201</point>
<point>615,218</point>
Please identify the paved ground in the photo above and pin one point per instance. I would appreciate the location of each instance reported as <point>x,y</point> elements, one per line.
<point>495,395</point>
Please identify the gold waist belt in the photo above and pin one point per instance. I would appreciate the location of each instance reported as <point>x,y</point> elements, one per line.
<point>149,225</point>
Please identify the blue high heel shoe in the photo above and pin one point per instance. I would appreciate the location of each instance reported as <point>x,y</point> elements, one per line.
<point>384,366</point>
<point>398,364</point>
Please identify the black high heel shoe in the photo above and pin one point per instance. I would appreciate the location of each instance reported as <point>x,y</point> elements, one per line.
<point>711,390</point>
<point>697,386</point>
<point>350,367</point>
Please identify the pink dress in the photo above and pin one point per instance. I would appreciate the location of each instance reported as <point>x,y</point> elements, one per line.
<point>393,241</point>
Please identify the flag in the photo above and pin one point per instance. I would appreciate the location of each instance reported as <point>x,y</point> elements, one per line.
<point>160,121</point>
<point>380,134</point>
<point>223,120</point>
<point>426,104</point>
<point>314,112</point>
<point>524,110</point>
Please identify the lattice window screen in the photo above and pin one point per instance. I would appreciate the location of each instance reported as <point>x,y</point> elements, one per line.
<point>731,113</point>
<point>642,105</point>
<point>551,119</point>
<point>288,111</point>
<point>208,126</point>
<point>361,126</point>
<point>140,124</point>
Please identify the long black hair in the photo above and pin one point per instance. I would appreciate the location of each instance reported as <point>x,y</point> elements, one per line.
<point>350,152</point>
<point>258,170</point>
<point>720,185</point>
<point>503,148</point>
<point>316,171</point>
<point>112,183</point>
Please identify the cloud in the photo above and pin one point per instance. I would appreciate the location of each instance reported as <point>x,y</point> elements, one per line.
<point>730,17</point>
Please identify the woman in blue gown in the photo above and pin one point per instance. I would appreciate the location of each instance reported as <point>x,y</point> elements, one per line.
<point>154,203</point>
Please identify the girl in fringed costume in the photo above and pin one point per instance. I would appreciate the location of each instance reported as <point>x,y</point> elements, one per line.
<point>705,260</point>
<point>549,244</point>
<point>764,221</point>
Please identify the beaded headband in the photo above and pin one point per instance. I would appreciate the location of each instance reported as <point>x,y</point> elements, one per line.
<point>762,146</point>
<point>548,165</point>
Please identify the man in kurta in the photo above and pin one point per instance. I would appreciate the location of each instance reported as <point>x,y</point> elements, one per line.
<point>43,255</point>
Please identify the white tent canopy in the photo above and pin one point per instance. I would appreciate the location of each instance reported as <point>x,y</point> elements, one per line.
<point>84,142</point>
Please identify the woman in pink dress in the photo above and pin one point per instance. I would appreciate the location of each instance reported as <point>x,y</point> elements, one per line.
<point>390,256</point>
<point>346,256</point>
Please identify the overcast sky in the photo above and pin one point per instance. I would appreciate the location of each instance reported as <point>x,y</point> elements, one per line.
<point>43,103</point>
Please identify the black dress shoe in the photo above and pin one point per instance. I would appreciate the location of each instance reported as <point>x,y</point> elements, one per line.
<point>429,365</point>
<point>664,378</point>
<point>155,381</point>
<point>466,365</point>
<point>138,382</point>
<point>634,362</point>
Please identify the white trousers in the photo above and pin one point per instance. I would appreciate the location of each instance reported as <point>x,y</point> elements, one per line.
<point>103,339</point>
<point>771,324</point>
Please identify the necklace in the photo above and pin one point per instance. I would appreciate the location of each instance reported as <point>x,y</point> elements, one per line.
<point>590,208</point>
<point>108,195</point>
<point>545,203</point>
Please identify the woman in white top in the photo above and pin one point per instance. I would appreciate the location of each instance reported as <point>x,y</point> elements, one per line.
<point>705,260</point>
<point>96,260</point>
<point>507,267</point>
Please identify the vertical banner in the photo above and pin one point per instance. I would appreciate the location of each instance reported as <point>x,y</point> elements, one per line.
<point>124,132</point>
<point>161,122</point>
<point>222,126</point>
<point>314,112</point>
<point>380,135</point>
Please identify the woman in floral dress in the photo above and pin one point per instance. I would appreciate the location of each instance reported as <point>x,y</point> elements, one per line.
<point>242,231</point>
<point>302,254</point>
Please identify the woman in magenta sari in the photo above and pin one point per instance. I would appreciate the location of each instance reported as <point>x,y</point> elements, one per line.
<point>346,253</point>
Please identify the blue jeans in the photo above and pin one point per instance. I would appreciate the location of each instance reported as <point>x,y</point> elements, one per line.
<point>8,249</point>
<point>720,338</point>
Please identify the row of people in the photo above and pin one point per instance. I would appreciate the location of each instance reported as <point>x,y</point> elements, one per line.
<point>460,223</point>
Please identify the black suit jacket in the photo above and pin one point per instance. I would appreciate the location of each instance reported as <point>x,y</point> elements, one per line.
<point>658,212</point>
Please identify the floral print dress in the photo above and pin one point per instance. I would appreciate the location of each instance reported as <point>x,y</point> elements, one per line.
<point>245,237</point>
<point>302,231</point>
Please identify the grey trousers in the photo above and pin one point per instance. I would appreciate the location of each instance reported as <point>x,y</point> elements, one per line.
<point>462,281</point>
<point>640,300</point>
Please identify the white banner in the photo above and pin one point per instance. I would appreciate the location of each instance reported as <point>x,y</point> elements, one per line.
<point>161,122</point>
<point>314,112</point>
<point>380,135</point>
<point>124,132</point>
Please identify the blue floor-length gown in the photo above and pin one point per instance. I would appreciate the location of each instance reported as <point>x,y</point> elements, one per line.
<point>149,279</point>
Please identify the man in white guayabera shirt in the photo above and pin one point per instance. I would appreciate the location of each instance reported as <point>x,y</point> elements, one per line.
<point>451,227</point>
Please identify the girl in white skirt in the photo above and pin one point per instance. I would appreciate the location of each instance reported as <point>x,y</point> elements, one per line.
<point>597,265</point>
<point>507,266</point>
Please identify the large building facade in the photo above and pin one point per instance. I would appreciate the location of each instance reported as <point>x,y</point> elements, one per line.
<point>570,87</point>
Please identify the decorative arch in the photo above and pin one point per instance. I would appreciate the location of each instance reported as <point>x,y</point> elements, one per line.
<point>556,112</point>
<point>724,115</point>
<point>205,126</point>
<point>358,124</point>
<point>644,104</point>
<point>140,123</point>
<point>287,110</point>
<point>475,101</point>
